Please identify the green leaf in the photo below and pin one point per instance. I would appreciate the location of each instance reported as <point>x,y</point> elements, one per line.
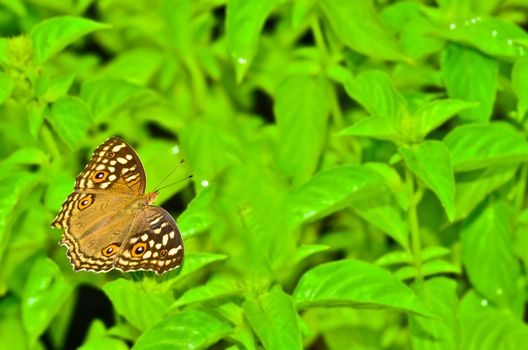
<point>434,252</point>
<point>487,328</point>
<point>197,217</point>
<point>358,25</point>
<point>307,250</point>
<point>57,88</point>
<point>519,80</point>
<point>6,86</point>
<point>433,114</point>
<point>471,76</point>
<point>244,21</point>
<point>474,186</point>
<point>217,287</point>
<point>191,329</point>
<point>375,91</point>
<point>416,39</point>
<point>487,252</point>
<point>11,324</point>
<point>301,110</point>
<point>429,268</point>
<point>44,294</point>
<point>439,294</point>
<point>52,35</point>
<point>104,343</point>
<point>383,212</point>
<point>374,128</point>
<point>193,262</point>
<point>430,161</point>
<point>138,306</point>
<point>70,119</point>
<point>395,258</point>
<point>13,189</point>
<point>334,189</point>
<point>274,319</point>
<point>356,284</point>
<point>493,36</point>
<point>478,146</point>
<point>105,97</point>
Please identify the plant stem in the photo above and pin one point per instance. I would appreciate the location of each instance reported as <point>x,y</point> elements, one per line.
<point>414,198</point>
<point>335,109</point>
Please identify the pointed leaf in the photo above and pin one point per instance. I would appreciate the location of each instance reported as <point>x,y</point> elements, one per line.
<point>356,284</point>
<point>487,252</point>
<point>475,146</point>
<point>191,329</point>
<point>359,27</point>
<point>245,20</point>
<point>301,110</point>
<point>274,319</point>
<point>334,189</point>
<point>439,294</point>
<point>52,35</point>
<point>471,76</point>
<point>430,161</point>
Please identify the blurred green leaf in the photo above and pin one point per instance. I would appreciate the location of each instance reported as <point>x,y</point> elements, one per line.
<point>104,343</point>
<point>429,268</point>
<point>493,36</point>
<point>305,251</point>
<point>219,287</point>
<point>11,324</point>
<point>356,284</point>
<point>395,258</point>
<point>13,189</point>
<point>487,252</point>
<point>197,217</point>
<point>479,82</point>
<point>519,77</point>
<point>301,110</point>
<point>70,119</point>
<point>244,21</point>
<point>193,262</point>
<point>44,294</point>
<point>190,329</point>
<point>359,27</point>
<point>334,189</point>
<point>105,97</point>
<point>431,162</point>
<point>434,252</point>
<point>439,294</point>
<point>140,307</point>
<point>435,113</point>
<point>52,35</point>
<point>6,86</point>
<point>477,146</point>
<point>274,319</point>
<point>375,91</point>
<point>474,186</point>
<point>485,327</point>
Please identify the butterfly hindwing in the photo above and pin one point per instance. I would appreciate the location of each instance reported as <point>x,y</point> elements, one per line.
<point>155,244</point>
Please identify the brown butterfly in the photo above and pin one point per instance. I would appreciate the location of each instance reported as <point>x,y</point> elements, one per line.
<point>109,221</point>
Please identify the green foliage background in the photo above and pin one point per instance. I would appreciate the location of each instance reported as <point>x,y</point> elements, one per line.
<point>359,169</point>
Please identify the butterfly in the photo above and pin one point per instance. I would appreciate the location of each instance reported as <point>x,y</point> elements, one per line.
<point>109,221</point>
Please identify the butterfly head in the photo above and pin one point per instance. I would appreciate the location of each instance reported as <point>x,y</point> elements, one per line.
<point>151,197</point>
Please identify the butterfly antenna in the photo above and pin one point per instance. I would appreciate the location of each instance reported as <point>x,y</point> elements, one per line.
<point>166,177</point>
<point>175,183</point>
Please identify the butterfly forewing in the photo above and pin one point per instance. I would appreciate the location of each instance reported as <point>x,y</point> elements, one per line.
<point>115,165</point>
<point>108,220</point>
